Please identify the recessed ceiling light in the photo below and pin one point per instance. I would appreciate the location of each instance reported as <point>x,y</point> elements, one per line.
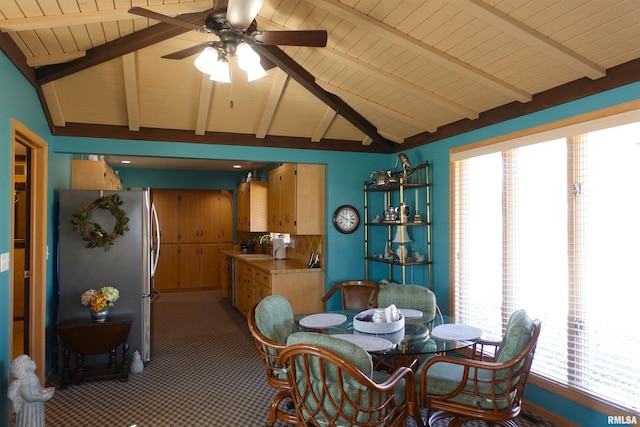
<point>125,161</point>
<point>237,166</point>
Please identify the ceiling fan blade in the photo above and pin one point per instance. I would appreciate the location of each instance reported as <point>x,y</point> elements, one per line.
<point>241,13</point>
<point>167,19</point>
<point>316,38</point>
<point>185,53</point>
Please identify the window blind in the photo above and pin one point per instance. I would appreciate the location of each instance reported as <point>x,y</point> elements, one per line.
<point>552,227</point>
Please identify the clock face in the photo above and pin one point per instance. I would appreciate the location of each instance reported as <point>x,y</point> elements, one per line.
<point>346,219</point>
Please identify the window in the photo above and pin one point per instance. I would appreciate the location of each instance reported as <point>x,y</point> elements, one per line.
<point>552,224</point>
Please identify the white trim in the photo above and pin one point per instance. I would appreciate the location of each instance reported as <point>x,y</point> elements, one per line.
<point>486,147</point>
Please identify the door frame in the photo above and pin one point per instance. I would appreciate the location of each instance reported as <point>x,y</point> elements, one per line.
<point>37,170</point>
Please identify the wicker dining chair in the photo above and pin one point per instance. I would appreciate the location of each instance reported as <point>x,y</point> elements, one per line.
<point>489,386</point>
<point>355,294</point>
<point>333,384</point>
<point>270,322</point>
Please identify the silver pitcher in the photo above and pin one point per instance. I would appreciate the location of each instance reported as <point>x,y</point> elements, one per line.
<point>379,178</point>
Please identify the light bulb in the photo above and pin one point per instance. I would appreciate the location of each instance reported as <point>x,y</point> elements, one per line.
<point>205,62</point>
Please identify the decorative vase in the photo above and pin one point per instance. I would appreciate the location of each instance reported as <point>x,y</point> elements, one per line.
<point>100,316</point>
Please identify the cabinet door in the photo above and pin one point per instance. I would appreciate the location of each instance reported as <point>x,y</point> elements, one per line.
<point>167,275</point>
<point>209,265</point>
<point>167,204</point>
<point>190,216</point>
<point>190,266</point>
<point>225,216</point>
<point>242,219</point>
<point>288,199</point>
<point>208,215</point>
<point>273,204</point>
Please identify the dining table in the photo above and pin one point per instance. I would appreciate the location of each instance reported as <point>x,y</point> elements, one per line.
<point>420,337</point>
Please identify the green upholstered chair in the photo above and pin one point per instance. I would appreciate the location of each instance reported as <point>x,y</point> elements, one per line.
<point>270,323</point>
<point>415,297</point>
<point>355,294</point>
<point>489,386</point>
<point>333,384</point>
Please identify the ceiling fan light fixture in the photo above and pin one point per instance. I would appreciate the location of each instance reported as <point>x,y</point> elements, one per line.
<point>249,61</point>
<point>206,61</point>
<point>220,72</point>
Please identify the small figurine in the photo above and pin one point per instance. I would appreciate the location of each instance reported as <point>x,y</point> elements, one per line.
<point>136,364</point>
<point>26,393</point>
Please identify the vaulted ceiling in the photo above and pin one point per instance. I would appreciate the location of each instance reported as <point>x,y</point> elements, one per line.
<point>393,73</point>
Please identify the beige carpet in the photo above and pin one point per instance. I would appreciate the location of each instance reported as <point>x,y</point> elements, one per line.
<point>204,371</point>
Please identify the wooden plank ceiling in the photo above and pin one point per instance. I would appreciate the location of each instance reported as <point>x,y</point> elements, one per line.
<point>404,68</point>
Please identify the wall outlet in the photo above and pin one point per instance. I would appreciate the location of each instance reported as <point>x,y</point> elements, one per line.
<point>4,261</point>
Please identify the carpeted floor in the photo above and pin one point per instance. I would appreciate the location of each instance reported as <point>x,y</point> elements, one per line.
<point>204,372</point>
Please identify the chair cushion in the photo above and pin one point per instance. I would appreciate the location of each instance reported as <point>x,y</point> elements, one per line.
<point>516,337</point>
<point>409,296</point>
<point>444,377</point>
<point>353,354</point>
<point>274,318</point>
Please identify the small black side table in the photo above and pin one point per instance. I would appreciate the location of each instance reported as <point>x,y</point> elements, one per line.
<point>91,338</point>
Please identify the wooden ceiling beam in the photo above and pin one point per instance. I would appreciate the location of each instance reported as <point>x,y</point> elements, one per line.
<point>204,104</point>
<point>116,48</point>
<point>540,42</point>
<point>131,90</point>
<point>275,95</point>
<point>323,125</point>
<point>307,81</point>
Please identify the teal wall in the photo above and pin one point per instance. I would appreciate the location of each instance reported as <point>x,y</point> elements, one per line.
<point>345,174</point>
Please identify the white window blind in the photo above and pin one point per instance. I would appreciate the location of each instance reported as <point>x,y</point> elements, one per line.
<point>553,227</point>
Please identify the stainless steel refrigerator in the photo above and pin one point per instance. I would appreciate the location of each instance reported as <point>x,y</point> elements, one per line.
<point>129,264</point>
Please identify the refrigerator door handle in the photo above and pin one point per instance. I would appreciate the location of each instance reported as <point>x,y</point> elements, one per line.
<point>154,262</point>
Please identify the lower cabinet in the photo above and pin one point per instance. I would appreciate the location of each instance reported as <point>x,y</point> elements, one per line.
<point>189,266</point>
<point>303,290</point>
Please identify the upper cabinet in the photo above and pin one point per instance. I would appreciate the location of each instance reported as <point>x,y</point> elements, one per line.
<point>194,216</point>
<point>252,206</point>
<point>93,175</point>
<point>296,199</point>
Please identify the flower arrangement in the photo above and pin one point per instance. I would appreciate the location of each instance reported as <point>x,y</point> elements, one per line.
<point>100,300</point>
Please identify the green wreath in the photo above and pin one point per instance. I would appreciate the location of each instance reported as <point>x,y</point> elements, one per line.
<point>92,232</point>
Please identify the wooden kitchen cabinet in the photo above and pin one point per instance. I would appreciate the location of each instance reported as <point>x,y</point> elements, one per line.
<point>303,290</point>
<point>93,175</point>
<point>199,266</point>
<point>167,275</point>
<point>296,199</point>
<point>194,226</point>
<point>167,203</point>
<point>252,206</point>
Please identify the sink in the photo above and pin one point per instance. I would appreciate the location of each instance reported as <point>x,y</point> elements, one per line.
<point>255,256</point>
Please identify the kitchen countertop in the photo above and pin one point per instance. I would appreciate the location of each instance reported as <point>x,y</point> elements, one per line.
<point>292,264</point>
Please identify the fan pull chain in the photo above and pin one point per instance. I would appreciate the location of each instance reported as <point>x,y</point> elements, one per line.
<point>231,89</point>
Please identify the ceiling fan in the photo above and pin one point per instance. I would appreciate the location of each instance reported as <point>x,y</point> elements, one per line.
<point>236,28</point>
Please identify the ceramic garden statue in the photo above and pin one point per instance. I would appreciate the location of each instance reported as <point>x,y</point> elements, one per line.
<point>26,393</point>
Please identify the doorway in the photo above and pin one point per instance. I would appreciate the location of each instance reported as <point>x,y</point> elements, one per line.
<point>30,231</point>
<point>21,283</point>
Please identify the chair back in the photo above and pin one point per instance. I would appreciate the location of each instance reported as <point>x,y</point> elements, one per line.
<point>355,294</point>
<point>331,384</point>
<point>487,388</point>
<point>415,297</point>
<point>270,322</point>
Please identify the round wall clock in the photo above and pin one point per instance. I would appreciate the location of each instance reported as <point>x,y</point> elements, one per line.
<point>346,219</point>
